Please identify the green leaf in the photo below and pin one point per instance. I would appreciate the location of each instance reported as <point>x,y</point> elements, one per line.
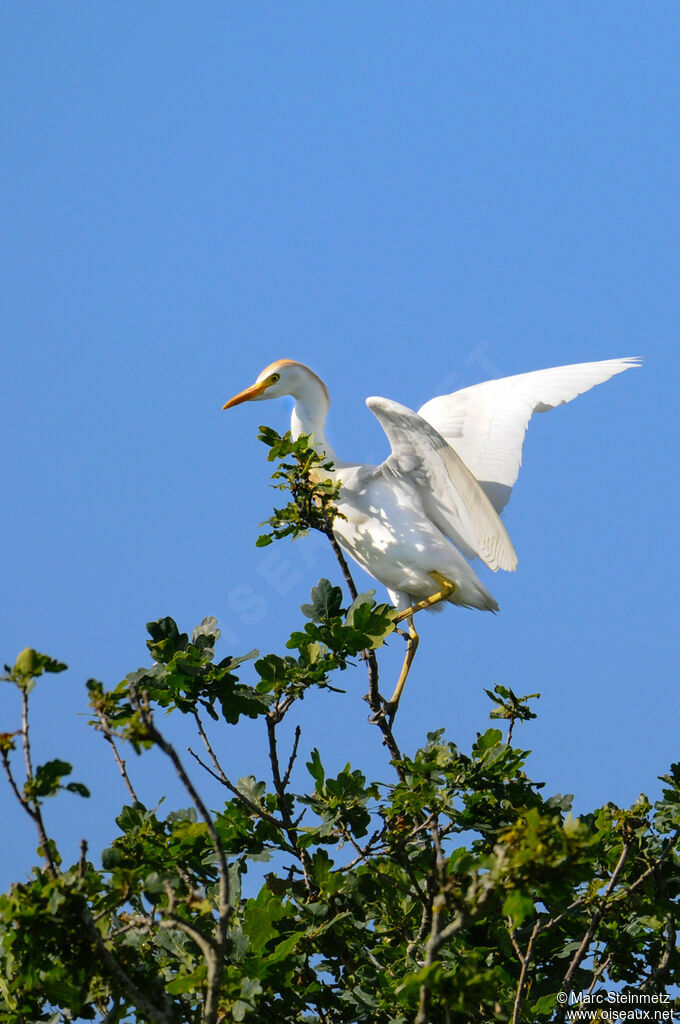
<point>188,982</point>
<point>326,602</point>
<point>166,639</point>
<point>47,778</point>
<point>545,1005</point>
<point>283,950</point>
<point>77,787</point>
<point>316,769</point>
<point>361,599</point>
<point>260,918</point>
<point>487,740</point>
<point>30,664</point>
<point>518,905</point>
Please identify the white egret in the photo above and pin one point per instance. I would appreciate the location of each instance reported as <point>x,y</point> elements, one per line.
<point>414,521</point>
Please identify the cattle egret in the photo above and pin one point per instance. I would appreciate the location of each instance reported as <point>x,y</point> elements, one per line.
<point>414,521</point>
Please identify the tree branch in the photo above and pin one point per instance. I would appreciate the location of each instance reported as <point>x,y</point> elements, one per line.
<point>273,718</point>
<point>31,807</point>
<point>291,760</point>
<point>525,960</point>
<point>219,774</point>
<point>224,909</point>
<point>373,697</point>
<point>114,968</point>
<point>567,981</point>
<point>106,731</point>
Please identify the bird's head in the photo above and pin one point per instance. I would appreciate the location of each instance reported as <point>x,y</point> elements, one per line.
<point>284,377</point>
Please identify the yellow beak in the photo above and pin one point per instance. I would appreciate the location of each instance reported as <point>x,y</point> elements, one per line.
<point>254,391</point>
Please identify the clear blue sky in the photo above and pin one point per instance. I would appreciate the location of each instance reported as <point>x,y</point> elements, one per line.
<point>409,198</point>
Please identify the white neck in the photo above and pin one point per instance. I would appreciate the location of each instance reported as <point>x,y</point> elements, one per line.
<point>309,413</point>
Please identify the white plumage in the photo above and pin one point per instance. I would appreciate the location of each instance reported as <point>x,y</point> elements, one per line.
<point>486,423</point>
<point>417,520</point>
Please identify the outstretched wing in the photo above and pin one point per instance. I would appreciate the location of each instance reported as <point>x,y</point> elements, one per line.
<point>451,496</point>
<point>486,423</point>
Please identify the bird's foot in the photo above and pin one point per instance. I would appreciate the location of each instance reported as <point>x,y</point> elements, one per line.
<point>388,710</point>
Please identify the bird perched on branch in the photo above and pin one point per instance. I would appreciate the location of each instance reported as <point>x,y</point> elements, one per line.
<point>416,520</point>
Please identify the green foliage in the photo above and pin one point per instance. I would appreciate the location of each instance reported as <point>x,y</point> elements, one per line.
<point>28,666</point>
<point>384,897</point>
<point>306,476</point>
<point>47,781</point>
<point>451,890</point>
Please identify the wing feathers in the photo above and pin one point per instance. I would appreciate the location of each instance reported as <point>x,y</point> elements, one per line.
<point>452,497</point>
<point>486,423</point>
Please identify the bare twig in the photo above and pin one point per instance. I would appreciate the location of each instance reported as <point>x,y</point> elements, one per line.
<point>273,718</point>
<point>373,697</point>
<point>599,971</point>
<point>438,935</point>
<point>337,551</point>
<point>214,959</point>
<point>31,807</point>
<point>107,733</point>
<point>82,860</point>
<point>592,927</point>
<point>363,857</point>
<point>25,738</point>
<point>252,807</point>
<point>433,943</point>
<point>425,925</point>
<point>291,760</point>
<point>205,943</point>
<point>136,923</point>
<point>218,773</point>
<point>525,960</point>
<point>155,1014</point>
<point>657,973</point>
<point>35,810</point>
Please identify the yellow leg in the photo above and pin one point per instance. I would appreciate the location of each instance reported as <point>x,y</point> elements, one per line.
<point>391,705</point>
<point>448,587</point>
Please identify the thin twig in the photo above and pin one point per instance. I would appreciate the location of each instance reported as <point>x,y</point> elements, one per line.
<point>252,807</point>
<point>220,775</point>
<point>25,738</point>
<point>661,968</point>
<point>136,922</point>
<point>438,905</point>
<point>215,958</point>
<point>205,943</point>
<point>363,857</point>
<point>82,860</point>
<point>592,927</point>
<point>291,760</point>
<point>337,550</point>
<point>31,807</point>
<point>115,969</point>
<point>425,925</point>
<point>524,960</point>
<point>273,718</point>
<point>438,935</point>
<point>105,729</point>
<point>598,972</point>
<point>373,697</point>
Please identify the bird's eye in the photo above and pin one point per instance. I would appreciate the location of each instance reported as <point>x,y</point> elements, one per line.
<point>275,377</point>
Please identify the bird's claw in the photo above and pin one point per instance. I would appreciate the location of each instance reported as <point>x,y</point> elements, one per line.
<point>388,710</point>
